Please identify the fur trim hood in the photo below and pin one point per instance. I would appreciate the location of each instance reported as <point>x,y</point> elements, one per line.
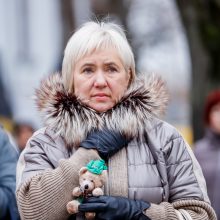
<point>62,112</point>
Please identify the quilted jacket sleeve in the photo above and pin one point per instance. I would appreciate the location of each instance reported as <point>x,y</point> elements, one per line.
<point>188,197</point>
<point>44,192</point>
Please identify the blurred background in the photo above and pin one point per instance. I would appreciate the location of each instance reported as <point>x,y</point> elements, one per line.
<point>179,40</point>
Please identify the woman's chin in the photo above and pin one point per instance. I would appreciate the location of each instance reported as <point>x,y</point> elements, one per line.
<point>101,107</point>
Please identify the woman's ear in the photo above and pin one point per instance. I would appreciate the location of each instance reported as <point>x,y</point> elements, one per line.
<point>130,79</point>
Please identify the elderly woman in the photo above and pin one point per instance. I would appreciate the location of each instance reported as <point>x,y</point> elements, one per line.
<point>98,109</point>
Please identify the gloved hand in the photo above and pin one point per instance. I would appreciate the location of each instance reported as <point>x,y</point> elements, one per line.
<point>115,208</point>
<point>106,142</point>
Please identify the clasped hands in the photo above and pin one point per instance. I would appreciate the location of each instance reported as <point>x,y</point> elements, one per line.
<point>107,143</point>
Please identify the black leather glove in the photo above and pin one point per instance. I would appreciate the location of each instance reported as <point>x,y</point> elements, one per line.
<point>115,208</point>
<point>106,142</point>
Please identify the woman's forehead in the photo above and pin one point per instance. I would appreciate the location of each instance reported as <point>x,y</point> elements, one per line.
<point>106,55</point>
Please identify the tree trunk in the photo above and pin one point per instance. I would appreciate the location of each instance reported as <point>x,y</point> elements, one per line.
<point>200,64</point>
<point>68,22</point>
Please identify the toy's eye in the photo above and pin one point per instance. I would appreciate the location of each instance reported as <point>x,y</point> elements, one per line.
<point>84,179</point>
<point>92,181</point>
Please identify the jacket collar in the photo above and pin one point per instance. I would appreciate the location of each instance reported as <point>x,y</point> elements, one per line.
<point>63,112</point>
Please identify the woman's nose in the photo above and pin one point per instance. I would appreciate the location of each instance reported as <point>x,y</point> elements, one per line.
<point>100,79</point>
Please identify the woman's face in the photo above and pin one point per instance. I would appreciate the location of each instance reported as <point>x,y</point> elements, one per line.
<point>100,79</point>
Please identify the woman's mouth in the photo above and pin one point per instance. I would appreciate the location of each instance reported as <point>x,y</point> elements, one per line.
<point>100,96</point>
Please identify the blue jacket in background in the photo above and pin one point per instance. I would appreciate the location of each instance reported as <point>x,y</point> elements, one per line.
<point>8,162</point>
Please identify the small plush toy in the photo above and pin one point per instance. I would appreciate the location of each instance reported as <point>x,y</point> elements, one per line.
<point>91,180</point>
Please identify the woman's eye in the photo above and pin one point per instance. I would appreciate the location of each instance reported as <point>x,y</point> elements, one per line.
<point>87,70</point>
<point>112,69</point>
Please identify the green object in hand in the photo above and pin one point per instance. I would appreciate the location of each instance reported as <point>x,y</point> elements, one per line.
<point>96,166</point>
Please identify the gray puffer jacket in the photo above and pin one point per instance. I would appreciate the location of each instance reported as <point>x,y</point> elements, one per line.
<point>207,152</point>
<point>157,166</point>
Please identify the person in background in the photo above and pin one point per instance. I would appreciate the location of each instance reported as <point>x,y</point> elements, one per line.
<point>98,108</point>
<point>8,162</point>
<point>207,150</point>
<point>22,132</point>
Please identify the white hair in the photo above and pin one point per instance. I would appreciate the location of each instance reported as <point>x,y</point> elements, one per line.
<point>94,36</point>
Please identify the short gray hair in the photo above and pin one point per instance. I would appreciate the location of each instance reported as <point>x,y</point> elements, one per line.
<point>94,36</point>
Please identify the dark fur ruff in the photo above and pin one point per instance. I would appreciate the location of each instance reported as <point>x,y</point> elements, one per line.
<point>147,97</point>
